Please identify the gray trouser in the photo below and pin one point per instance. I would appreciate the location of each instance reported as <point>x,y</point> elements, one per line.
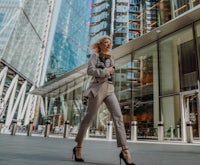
<point>109,98</point>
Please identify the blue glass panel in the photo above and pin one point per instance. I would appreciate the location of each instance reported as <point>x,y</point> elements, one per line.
<point>70,43</point>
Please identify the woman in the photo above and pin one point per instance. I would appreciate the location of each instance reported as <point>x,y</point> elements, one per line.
<point>101,89</point>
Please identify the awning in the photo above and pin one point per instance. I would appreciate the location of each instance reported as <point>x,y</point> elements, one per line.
<point>59,85</point>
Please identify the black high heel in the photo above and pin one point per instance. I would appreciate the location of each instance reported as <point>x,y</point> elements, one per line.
<point>121,156</point>
<point>74,155</point>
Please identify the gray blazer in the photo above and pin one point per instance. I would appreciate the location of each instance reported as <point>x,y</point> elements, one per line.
<point>100,73</point>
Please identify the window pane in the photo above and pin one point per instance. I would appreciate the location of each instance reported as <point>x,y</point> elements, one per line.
<point>170,108</point>
<point>145,89</point>
<point>178,63</point>
<point>123,88</point>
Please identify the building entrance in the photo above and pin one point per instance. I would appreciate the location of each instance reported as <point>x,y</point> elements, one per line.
<point>191,113</point>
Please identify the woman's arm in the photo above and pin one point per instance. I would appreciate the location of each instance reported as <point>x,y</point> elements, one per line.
<point>94,71</point>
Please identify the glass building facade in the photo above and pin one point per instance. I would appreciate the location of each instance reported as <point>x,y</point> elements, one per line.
<point>120,22</point>
<point>125,20</point>
<point>22,30</point>
<point>21,34</point>
<point>179,7</point>
<point>163,84</point>
<point>156,80</point>
<point>69,47</point>
<point>100,19</point>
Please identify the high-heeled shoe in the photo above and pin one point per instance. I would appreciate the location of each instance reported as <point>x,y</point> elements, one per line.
<point>121,156</point>
<point>74,155</point>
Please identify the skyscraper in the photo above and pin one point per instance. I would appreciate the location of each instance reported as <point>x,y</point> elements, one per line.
<point>125,20</point>
<point>110,18</point>
<point>22,29</point>
<point>101,19</point>
<point>120,22</point>
<point>179,7</point>
<point>68,46</point>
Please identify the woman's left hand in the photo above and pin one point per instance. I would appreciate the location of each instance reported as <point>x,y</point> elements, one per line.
<point>112,70</point>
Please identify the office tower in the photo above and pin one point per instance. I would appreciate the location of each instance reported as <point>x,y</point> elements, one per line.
<point>149,15</point>
<point>181,6</point>
<point>68,39</point>
<point>117,18</point>
<point>67,48</point>
<point>121,22</point>
<point>135,19</point>
<point>110,18</point>
<point>164,12</point>
<point>22,29</point>
<point>101,19</point>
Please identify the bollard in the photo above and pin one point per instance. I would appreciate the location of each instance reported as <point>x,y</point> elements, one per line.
<point>47,129</point>
<point>30,126</point>
<point>109,131</point>
<point>160,131</point>
<point>189,131</point>
<point>14,128</point>
<point>171,132</point>
<point>1,127</point>
<point>1,124</point>
<point>134,130</point>
<point>178,132</point>
<point>87,133</point>
<point>66,130</point>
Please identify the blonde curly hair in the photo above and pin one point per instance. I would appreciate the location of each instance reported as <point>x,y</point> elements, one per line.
<point>95,45</point>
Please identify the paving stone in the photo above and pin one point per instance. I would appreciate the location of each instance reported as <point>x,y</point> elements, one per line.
<point>32,150</point>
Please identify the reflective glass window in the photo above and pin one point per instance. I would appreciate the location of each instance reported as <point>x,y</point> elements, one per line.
<point>23,49</point>
<point>22,26</point>
<point>70,41</point>
<point>144,82</point>
<point>171,115</point>
<point>179,7</point>
<point>123,88</point>
<point>178,62</point>
<point>37,11</point>
<point>7,23</point>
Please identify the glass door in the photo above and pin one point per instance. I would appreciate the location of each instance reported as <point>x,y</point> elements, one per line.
<point>191,113</point>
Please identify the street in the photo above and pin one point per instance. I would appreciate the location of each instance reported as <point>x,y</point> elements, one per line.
<point>24,150</point>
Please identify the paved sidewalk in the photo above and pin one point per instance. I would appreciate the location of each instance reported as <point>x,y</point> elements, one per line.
<point>24,150</point>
